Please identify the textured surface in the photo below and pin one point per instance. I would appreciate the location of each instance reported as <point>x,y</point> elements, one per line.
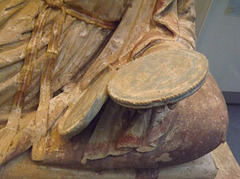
<point>79,115</point>
<point>159,78</point>
<point>193,133</point>
<point>28,169</point>
<point>137,138</point>
<point>204,168</point>
<point>226,163</point>
<point>23,168</point>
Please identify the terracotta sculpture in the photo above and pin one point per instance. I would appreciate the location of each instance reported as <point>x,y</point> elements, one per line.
<point>59,62</point>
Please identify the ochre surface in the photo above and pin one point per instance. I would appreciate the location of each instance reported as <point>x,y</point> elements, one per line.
<point>159,78</point>
<point>226,163</point>
<point>56,58</point>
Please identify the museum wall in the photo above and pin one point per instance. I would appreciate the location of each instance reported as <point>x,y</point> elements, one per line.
<point>202,8</point>
<point>219,40</point>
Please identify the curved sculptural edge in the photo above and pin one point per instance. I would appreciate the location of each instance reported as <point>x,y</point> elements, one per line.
<point>172,23</point>
<point>207,118</point>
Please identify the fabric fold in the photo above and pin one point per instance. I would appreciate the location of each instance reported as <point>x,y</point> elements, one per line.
<point>165,13</point>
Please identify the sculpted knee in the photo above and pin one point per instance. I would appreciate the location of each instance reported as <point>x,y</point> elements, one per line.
<point>199,124</point>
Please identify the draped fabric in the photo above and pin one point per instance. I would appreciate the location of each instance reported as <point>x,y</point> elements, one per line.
<point>174,25</point>
<point>120,130</point>
<point>86,50</point>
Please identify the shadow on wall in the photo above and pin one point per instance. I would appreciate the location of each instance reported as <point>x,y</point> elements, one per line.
<point>233,133</point>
